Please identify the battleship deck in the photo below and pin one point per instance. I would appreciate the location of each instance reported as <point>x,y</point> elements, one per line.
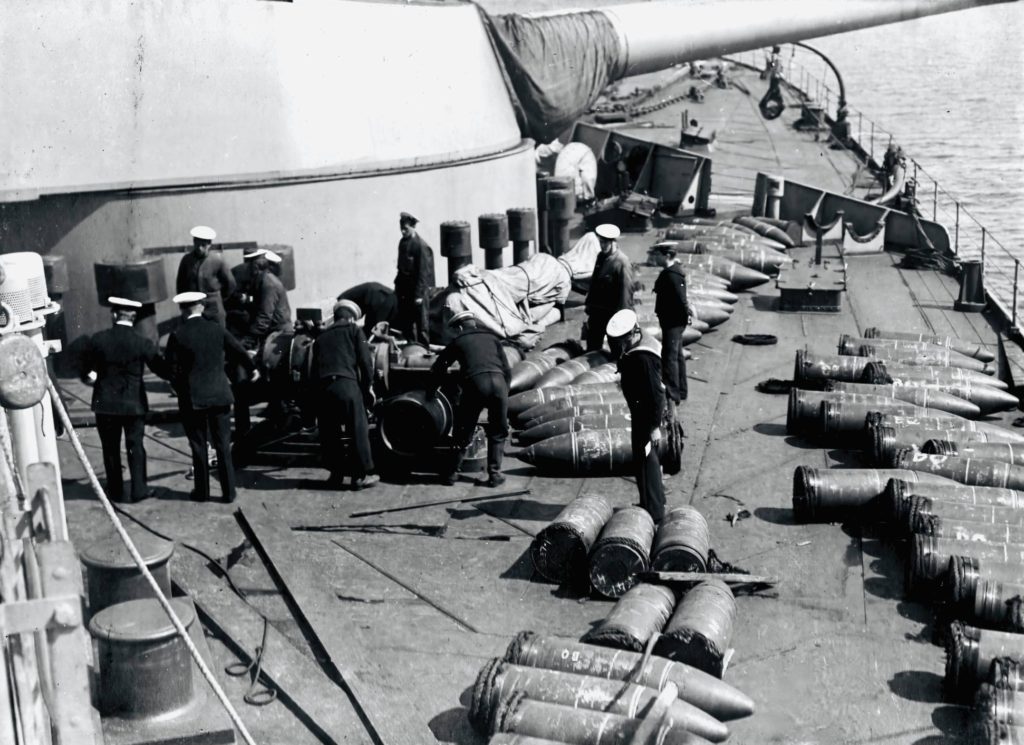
<point>419,600</point>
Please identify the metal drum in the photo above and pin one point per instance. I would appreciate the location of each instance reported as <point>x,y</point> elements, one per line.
<point>414,421</point>
<point>145,667</point>
<point>113,576</point>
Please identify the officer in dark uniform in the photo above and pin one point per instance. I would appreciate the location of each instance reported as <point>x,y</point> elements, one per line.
<point>378,302</point>
<point>201,270</point>
<point>117,356</point>
<point>611,286</point>
<point>673,315</point>
<point>414,281</point>
<point>196,356</point>
<point>640,379</point>
<point>342,367</point>
<point>270,310</point>
<point>484,374</point>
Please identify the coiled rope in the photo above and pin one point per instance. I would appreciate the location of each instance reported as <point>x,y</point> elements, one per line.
<point>179,627</point>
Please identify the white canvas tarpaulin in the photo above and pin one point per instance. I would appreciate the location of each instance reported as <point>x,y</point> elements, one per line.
<point>582,256</point>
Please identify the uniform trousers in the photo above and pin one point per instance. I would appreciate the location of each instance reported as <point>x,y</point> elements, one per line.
<point>597,324</point>
<point>202,428</point>
<point>413,320</point>
<point>648,470</point>
<point>484,391</point>
<point>673,363</point>
<point>341,411</point>
<point>110,427</point>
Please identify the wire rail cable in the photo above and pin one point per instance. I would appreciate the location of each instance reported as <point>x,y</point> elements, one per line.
<point>137,558</point>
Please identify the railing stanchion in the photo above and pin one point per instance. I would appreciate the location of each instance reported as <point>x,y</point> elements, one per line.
<point>1016,274</point>
<point>956,239</point>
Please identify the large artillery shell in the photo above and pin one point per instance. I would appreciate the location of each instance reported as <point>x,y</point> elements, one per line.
<point>817,368</point>
<point>499,680</point>
<point>964,530</point>
<point>915,358</point>
<point>998,605</point>
<point>971,349</point>
<point>613,396</point>
<point>766,230</point>
<point>572,424</point>
<point>1001,451</point>
<point>713,314</point>
<point>564,373</point>
<point>559,552</point>
<point>582,409</point>
<point>740,277</point>
<point>931,398</point>
<point>885,442</point>
<point>510,738</point>
<point>682,542</point>
<point>526,400</point>
<point>597,452</point>
<point>606,373</point>
<point>714,696</point>
<point>1007,673</point>
<point>622,551</point>
<point>715,292</point>
<point>634,619</point>
<point>895,348</point>
<point>987,398</point>
<point>803,414</point>
<point>525,716</point>
<point>929,558</point>
<point>850,419</point>
<point>974,471</point>
<point>700,630</point>
<point>905,498</point>
<point>840,493</point>
<point>526,373</point>
<point>999,711</point>
<point>969,655</point>
<point>975,590</point>
<point>993,432</point>
<point>879,371</point>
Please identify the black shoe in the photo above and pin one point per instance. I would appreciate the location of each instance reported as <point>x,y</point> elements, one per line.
<point>195,497</point>
<point>450,479</point>
<point>495,479</point>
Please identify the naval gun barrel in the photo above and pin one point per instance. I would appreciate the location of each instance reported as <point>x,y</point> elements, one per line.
<point>657,35</point>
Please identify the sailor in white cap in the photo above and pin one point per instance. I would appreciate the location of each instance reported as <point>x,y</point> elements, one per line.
<point>342,368</point>
<point>269,310</point>
<point>484,376</point>
<point>197,352</point>
<point>117,356</point>
<point>203,270</point>
<point>611,286</point>
<point>414,281</point>
<point>640,378</point>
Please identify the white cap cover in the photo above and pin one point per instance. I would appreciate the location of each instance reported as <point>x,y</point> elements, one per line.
<point>350,305</point>
<point>608,231</point>
<point>202,232</point>
<point>121,302</point>
<point>189,298</point>
<point>621,324</point>
<point>273,257</point>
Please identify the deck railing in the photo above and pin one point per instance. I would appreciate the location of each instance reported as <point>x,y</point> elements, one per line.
<point>969,239</point>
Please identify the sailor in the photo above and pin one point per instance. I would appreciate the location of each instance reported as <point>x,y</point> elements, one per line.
<point>204,271</point>
<point>485,375</point>
<point>269,309</point>
<point>379,303</point>
<point>640,378</point>
<point>414,281</point>
<point>196,355</point>
<point>116,356</point>
<point>343,369</point>
<point>611,286</point>
<point>673,316</point>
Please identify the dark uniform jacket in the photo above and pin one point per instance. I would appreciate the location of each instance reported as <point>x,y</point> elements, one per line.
<point>270,309</point>
<point>196,356</point>
<point>640,379</point>
<point>341,351</point>
<point>611,285</point>
<point>415,276</point>
<point>670,289</point>
<point>378,302</point>
<point>478,351</point>
<point>117,356</point>
<point>209,275</point>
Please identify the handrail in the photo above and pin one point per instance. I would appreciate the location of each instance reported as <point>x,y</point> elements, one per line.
<point>971,239</point>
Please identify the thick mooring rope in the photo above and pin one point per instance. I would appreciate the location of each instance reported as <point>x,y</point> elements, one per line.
<point>137,558</point>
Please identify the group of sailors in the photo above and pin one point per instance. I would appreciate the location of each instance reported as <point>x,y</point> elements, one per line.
<point>227,314</point>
